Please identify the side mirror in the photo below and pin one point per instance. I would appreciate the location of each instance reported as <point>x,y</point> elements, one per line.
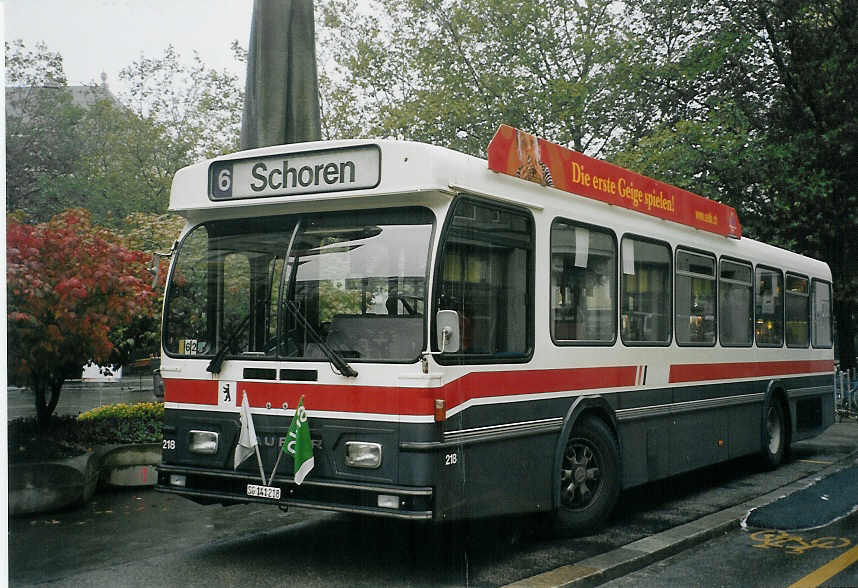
<point>155,269</point>
<point>447,330</point>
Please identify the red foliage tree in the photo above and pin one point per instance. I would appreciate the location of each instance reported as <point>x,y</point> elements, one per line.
<point>75,295</point>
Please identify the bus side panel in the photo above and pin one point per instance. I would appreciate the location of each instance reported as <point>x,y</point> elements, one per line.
<point>488,476</point>
<point>811,405</point>
<point>508,477</point>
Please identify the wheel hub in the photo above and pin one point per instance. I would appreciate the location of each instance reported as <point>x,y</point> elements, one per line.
<point>580,475</point>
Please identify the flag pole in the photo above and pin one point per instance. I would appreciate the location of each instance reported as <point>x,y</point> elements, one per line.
<point>259,461</point>
<point>276,463</point>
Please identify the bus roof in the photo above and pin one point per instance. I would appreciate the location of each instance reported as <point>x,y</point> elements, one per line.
<point>341,174</point>
<point>315,171</point>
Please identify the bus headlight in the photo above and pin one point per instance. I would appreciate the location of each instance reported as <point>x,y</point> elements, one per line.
<point>363,455</point>
<point>204,442</point>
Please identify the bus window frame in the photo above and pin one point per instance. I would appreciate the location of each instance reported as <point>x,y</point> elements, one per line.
<point>780,272</point>
<point>813,281</point>
<point>469,358</point>
<point>806,278</point>
<point>750,265</point>
<point>715,275</point>
<point>670,250</point>
<point>616,301</point>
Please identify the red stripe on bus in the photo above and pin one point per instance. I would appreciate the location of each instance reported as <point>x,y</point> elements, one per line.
<point>697,372</point>
<point>490,384</point>
<point>406,401</point>
<point>337,398</point>
<point>190,391</point>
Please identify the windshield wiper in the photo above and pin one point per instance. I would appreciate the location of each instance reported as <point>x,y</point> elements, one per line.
<point>217,360</point>
<point>335,358</point>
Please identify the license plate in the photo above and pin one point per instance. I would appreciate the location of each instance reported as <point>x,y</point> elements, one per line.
<point>263,491</point>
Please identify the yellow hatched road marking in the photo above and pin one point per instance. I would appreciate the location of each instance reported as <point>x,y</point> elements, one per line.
<point>829,570</point>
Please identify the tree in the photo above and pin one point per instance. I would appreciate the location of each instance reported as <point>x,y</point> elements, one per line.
<point>744,101</point>
<point>41,139</point>
<point>755,107</point>
<point>198,108</point>
<point>114,156</point>
<point>449,73</point>
<point>812,141</point>
<point>75,295</point>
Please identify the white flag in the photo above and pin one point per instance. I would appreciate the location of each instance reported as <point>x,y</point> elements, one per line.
<point>247,439</point>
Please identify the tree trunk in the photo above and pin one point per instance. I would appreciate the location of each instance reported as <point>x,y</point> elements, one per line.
<point>47,394</point>
<point>845,317</point>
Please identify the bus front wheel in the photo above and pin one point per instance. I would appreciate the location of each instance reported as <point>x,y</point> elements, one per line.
<point>589,477</point>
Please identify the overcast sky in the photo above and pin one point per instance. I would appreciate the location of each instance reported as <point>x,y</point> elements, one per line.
<point>95,36</point>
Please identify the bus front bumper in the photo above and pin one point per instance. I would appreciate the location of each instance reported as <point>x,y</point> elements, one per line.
<point>209,486</point>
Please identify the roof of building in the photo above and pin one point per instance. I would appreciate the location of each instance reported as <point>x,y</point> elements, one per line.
<point>82,96</point>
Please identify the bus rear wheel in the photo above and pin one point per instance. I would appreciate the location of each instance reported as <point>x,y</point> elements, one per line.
<point>589,477</point>
<point>775,441</point>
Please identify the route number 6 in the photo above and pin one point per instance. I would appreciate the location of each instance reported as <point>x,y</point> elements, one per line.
<point>224,180</point>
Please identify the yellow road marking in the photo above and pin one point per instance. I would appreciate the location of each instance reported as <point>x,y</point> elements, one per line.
<point>814,461</point>
<point>829,570</point>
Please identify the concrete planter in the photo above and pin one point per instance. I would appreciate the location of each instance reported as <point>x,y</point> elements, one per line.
<point>129,465</point>
<point>53,485</point>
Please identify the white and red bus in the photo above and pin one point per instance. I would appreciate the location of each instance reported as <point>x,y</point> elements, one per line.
<point>534,334</point>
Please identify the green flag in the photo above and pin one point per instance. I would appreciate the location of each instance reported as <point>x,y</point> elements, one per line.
<point>298,443</point>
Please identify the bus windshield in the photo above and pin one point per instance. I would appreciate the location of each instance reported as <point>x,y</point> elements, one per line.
<point>353,281</point>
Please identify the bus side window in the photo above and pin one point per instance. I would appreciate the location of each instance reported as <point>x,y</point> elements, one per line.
<point>583,284</point>
<point>485,276</point>
<point>797,311</point>
<point>646,292</point>
<point>769,308</point>
<point>695,298</point>
<point>821,301</point>
<point>736,304</point>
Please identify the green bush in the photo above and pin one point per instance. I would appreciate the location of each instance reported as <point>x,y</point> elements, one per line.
<point>141,410</point>
<point>67,436</point>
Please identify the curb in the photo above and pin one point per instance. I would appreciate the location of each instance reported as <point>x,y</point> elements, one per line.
<point>643,552</point>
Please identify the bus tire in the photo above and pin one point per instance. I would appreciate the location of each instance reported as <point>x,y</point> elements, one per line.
<point>774,434</point>
<point>589,477</point>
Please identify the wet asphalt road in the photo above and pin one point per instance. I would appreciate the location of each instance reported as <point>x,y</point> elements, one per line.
<point>760,557</point>
<point>142,538</point>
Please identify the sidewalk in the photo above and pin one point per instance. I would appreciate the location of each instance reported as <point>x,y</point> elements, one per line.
<point>78,396</point>
<point>639,554</point>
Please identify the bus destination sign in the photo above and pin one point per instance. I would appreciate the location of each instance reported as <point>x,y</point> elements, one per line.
<point>523,155</point>
<point>309,172</point>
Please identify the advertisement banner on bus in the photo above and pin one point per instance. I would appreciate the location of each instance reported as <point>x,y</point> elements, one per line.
<point>520,154</point>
